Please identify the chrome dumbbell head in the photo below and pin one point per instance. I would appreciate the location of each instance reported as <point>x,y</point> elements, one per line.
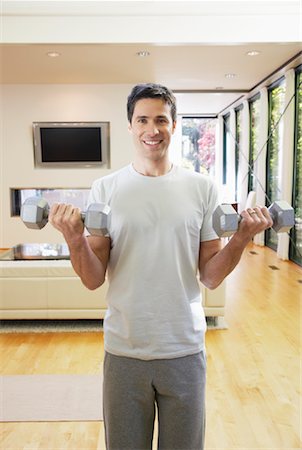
<point>97,219</point>
<point>34,212</point>
<point>225,220</point>
<point>283,216</point>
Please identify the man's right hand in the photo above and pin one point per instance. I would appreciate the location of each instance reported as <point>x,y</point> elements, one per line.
<point>68,220</point>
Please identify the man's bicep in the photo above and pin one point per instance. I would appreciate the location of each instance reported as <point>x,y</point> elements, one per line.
<point>101,248</point>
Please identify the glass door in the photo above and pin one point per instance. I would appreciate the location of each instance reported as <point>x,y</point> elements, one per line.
<point>254,106</point>
<point>238,148</point>
<point>295,250</point>
<point>276,108</point>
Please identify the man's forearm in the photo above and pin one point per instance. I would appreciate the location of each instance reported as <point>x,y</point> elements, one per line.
<point>89,259</point>
<point>86,264</point>
<point>218,264</point>
<point>223,262</point>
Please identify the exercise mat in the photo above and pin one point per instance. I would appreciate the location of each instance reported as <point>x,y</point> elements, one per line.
<point>51,398</point>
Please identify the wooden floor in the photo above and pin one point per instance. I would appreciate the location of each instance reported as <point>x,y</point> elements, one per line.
<point>253,390</point>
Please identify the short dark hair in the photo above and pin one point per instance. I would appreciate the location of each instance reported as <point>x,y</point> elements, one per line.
<point>150,90</point>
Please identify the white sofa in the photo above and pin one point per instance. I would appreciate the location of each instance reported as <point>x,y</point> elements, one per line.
<point>50,289</point>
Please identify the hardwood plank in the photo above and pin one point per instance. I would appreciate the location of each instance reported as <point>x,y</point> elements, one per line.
<point>51,353</point>
<point>254,365</point>
<point>253,389</point>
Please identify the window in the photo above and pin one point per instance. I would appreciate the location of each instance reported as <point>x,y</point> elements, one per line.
<point>254,141</point>
<point>276,100</point>
<point>296,232</point>
<point>198,144</point>
<point>226,146</point>
<point>76,197</point>
<point>238,147</point>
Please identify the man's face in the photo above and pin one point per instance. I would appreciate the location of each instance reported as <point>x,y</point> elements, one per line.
<point>152,127</point>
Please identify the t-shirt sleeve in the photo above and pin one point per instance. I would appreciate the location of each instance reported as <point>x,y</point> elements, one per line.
<point>94,194</point>
<point>207,232</point>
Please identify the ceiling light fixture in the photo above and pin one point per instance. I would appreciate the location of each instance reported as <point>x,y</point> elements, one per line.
<point>230,75</point>
<point>53,54</point>
<point>143,53</point>
<point>253,53</point>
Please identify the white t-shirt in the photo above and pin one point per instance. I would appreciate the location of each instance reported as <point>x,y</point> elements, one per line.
<point>157,224</point>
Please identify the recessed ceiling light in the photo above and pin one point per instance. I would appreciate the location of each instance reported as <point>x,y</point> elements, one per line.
<point>53,54</point>
<point>143,53</point>
<point>253,53</point>
<point>230,75</point>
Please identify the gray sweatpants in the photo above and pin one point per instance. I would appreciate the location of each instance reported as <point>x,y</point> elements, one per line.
<point>133,386</point>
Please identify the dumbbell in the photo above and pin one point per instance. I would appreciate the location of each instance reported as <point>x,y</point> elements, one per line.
<point>226,220</point>
<point>34,214</point>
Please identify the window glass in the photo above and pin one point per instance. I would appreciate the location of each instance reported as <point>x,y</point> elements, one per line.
<point>198,144</point>
<point>254,141</point>
<point>238,147</point>
<point>276,107</point>
<point>226,145</point>
<point>296,232</point>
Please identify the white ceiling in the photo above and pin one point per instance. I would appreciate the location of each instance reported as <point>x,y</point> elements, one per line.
<point>182,67</point>
<point>198,66</point>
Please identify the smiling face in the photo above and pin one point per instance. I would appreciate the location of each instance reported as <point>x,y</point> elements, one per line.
<point>151,128</point>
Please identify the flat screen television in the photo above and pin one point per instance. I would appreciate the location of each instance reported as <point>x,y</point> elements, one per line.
<point>71,144</point>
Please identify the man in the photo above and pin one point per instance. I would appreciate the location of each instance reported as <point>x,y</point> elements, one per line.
<point>160,238</point>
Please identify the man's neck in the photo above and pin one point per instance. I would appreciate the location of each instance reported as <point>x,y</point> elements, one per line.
<point>152,168</point>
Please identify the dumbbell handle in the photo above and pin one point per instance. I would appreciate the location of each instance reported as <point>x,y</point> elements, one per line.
<point>35,212</point>
<point>30,204</point>
<point>47,209</point>
<point>226,220</point>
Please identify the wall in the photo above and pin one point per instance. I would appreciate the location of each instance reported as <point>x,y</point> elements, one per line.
<point>23,104</point>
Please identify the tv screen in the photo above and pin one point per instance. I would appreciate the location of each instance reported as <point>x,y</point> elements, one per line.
<point>71,144</point>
